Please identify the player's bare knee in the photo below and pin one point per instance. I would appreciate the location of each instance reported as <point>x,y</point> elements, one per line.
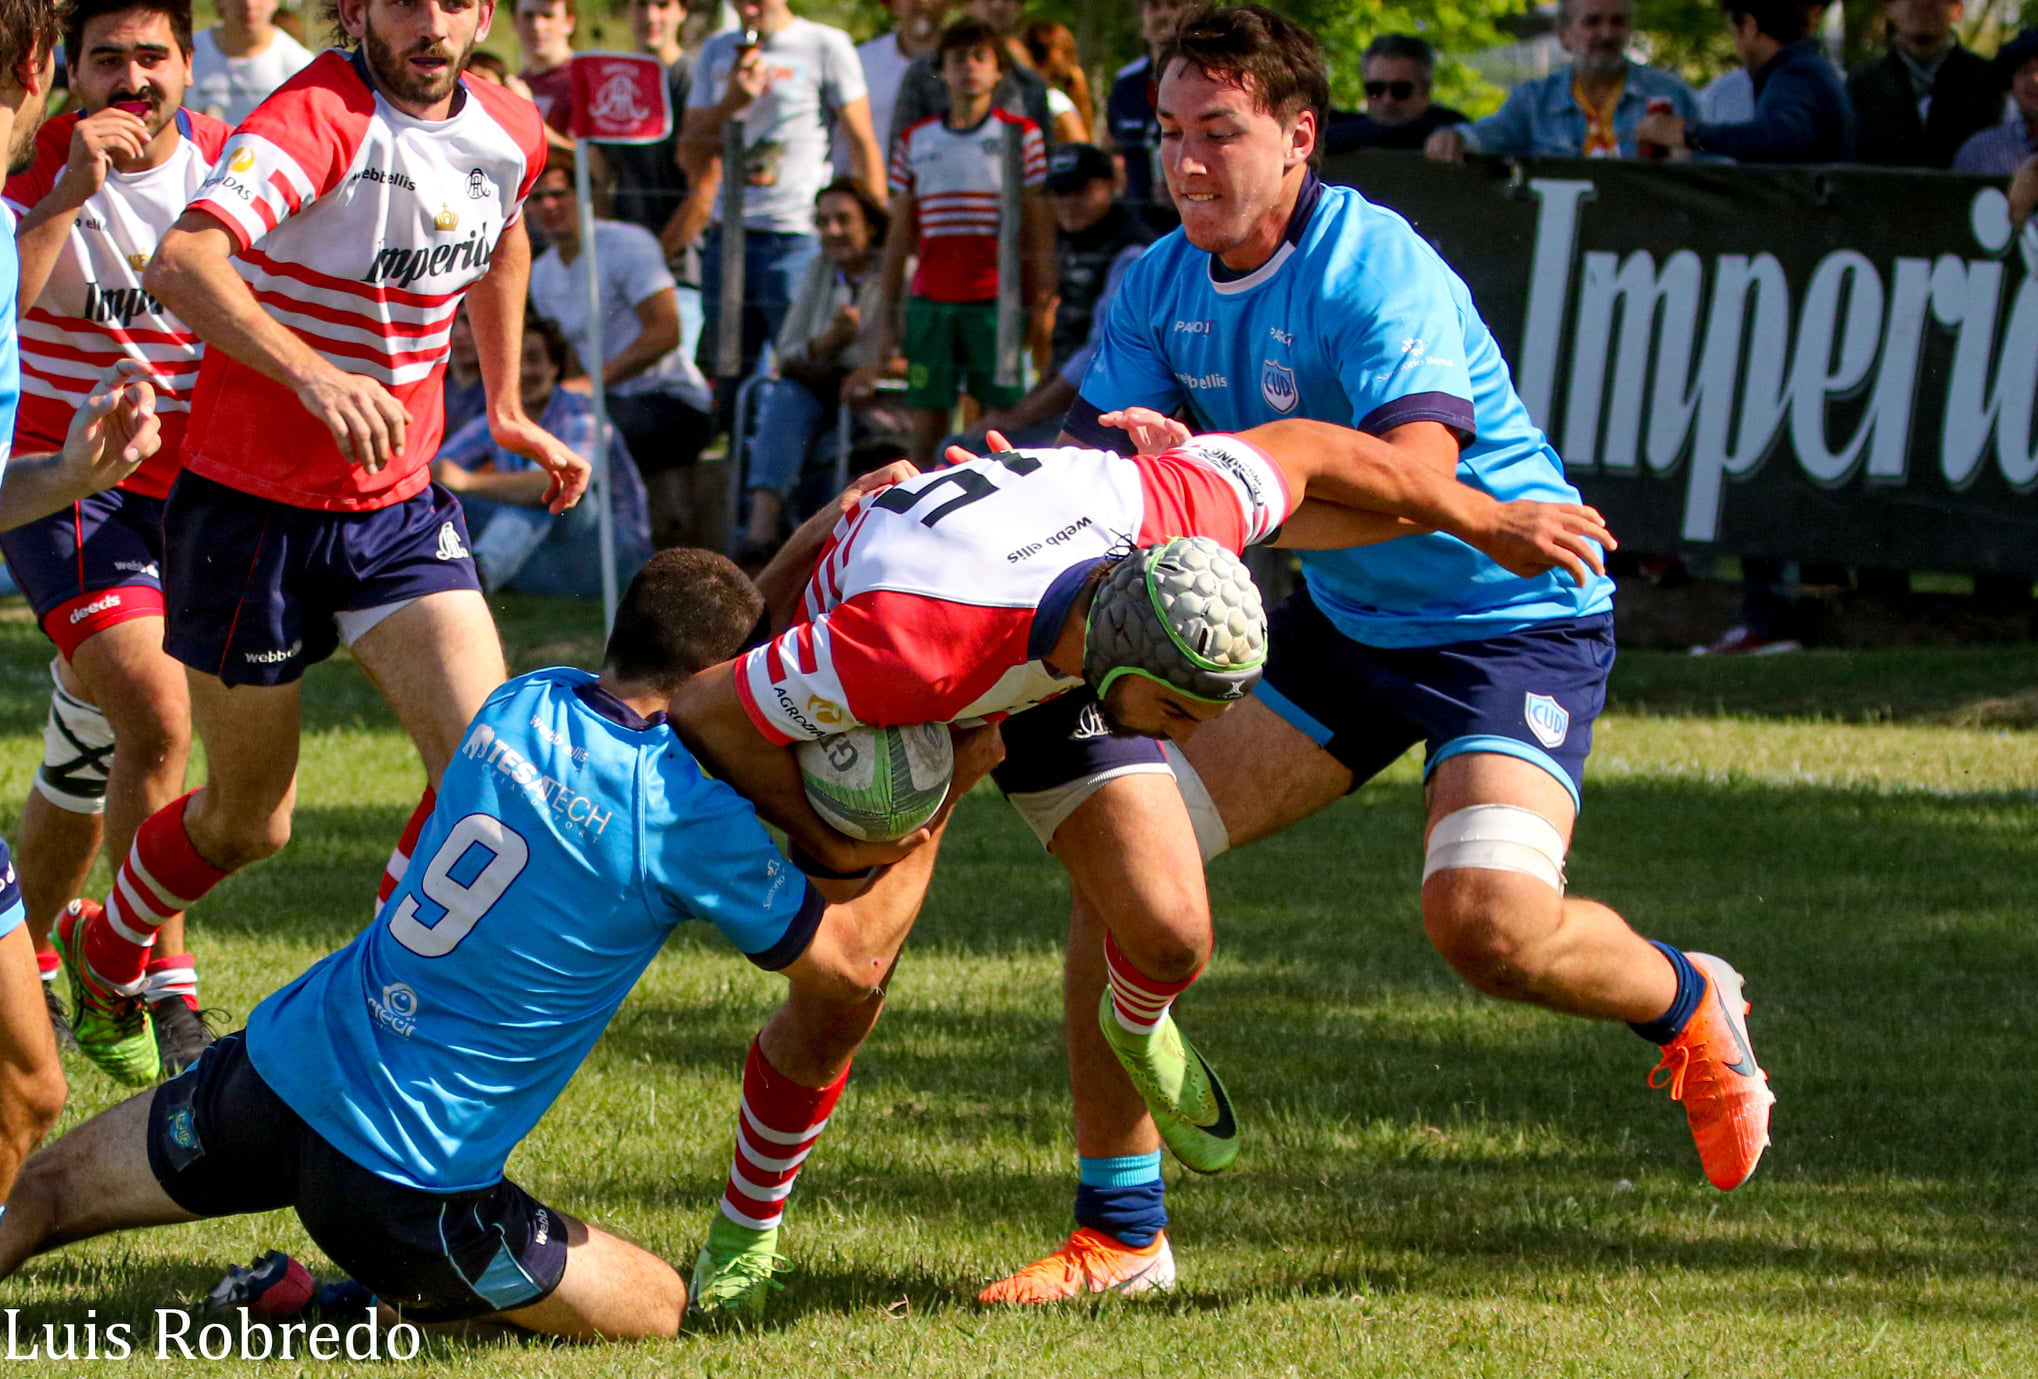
<point>1167,954</point>
<point>1469,926</point>
<point>247,841</point>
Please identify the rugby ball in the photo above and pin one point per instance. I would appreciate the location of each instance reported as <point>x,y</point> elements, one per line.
<point>878,784</point>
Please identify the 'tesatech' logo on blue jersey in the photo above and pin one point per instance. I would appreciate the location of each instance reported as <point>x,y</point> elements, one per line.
<point>1277,386</point>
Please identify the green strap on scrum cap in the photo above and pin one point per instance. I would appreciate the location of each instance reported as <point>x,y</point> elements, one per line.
<point>1185,614</point>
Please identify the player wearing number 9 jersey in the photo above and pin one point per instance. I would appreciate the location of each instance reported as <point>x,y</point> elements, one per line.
<point>381,1092</point>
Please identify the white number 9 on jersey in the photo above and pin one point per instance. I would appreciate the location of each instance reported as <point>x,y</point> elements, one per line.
<point>464,901</point>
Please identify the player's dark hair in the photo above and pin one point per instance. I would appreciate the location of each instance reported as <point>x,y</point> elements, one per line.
<point>1272,57</point>
<point>1783,20</point>
<point>29,30</point>
<point>968,35</point>
<point>82,12</point>
<point>1407,47</point>
<point>685,611</point>
<point>874,215</point>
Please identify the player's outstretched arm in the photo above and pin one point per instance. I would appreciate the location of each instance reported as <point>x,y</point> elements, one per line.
<point>495,306</point>
<point>709,717</point>
<point>193,275</point>
<point>1411,472</point>
<point>111,434</point>
<point>859,939</point>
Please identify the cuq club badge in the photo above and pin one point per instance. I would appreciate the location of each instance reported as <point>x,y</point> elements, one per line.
<point>1277,386</point>
<point>1547,719</point>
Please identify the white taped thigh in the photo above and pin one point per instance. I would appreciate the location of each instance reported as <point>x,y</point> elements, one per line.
<point>1212,837</point>
<point>1497,837</point>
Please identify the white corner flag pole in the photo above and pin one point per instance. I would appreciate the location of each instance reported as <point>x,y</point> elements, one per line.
<point>591,359</point>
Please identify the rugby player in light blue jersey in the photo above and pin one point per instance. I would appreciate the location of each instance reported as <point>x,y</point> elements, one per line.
<point>1487,639</point>
<point>380,1093</point>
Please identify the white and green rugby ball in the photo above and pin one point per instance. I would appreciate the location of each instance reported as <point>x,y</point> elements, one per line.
<point>878,784</point>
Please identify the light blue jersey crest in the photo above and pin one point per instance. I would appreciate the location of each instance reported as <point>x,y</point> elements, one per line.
<point>569,837</point>
<point>1354,320</point>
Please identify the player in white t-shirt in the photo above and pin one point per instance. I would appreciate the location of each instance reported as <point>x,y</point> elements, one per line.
<point>237,62</point>
<point>797,82</point>
<point>656,395</point>
<point>108,179</point>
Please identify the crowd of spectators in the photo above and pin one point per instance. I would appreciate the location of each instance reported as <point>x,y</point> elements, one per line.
<point>872,178</point>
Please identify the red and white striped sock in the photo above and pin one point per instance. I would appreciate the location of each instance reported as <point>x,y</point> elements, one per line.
<point>173,978</point>
<point>399,860</point>
<point>48,963</point>
<point>162,876</point>
<point>1139,1001</point>
<point>775,1132</point>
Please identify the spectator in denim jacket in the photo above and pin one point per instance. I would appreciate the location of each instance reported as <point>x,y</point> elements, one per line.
<point>1588,109</point>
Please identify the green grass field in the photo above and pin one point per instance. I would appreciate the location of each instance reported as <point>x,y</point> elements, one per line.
<point>1432,1184</point>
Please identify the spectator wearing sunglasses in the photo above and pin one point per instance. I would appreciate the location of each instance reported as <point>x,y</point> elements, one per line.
<point>1399,113</point>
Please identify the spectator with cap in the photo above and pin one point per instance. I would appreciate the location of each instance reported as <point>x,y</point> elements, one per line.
<point>1588,109</point>
<point>1918,103</point>
<point>2002,149</point>
<point>1801,110</point>
<point>1398,70</point>
<point>237,62</point>
<point>828,349</point>
<point>1021,90</point>
<point>1097,237</point>
<point>1130,125</point>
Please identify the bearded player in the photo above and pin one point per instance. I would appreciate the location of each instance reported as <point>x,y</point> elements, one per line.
<point>322,264</point>
<point>1282,296</point>
<point>978,590</point>
<point>108,180</point>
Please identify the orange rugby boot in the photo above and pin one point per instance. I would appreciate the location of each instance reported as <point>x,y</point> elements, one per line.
<point>1088,1262</point>
<point>1711,1068</point>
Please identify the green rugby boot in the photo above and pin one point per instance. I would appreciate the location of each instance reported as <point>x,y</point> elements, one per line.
<point>1182,1092</point>
<point>736,1273</point>
<point>111,1029</point>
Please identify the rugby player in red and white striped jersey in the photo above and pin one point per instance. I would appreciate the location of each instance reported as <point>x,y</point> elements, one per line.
<point>108,179</point>
<point>322,263</point>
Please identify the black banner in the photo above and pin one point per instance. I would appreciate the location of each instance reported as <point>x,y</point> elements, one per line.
<point>1821,364</point>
